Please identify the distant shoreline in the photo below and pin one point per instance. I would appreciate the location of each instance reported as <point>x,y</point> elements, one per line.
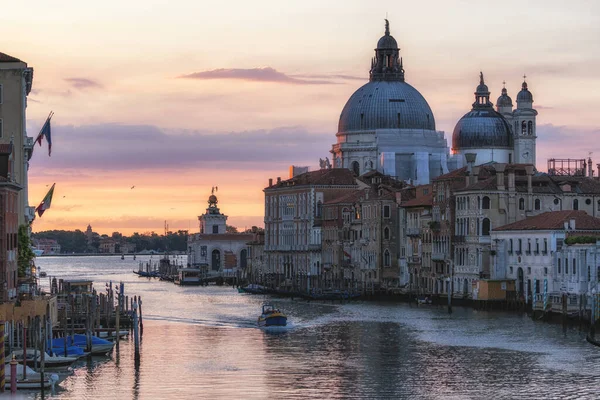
<point>107,255</point>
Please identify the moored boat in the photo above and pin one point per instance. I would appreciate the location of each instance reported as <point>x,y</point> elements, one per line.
<point>253,289</point>
<point>271,317</point>
<point>189,277</point>
<point>34,358</point>
<point>100,347</point>
<point>32,380</point>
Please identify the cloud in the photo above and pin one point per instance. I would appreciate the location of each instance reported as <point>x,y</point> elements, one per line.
<point>265,74</point>
<point>332,76</point>
<point>83,83</point>
<point>138,147</point>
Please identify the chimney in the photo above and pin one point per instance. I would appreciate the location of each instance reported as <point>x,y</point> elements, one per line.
<point>590,170</point>
<point>511,180</point>
<point>500,175</point>
<point>572,224</point>
<point>475,176</point>
<point>529,171</point>
<point>270,182</point>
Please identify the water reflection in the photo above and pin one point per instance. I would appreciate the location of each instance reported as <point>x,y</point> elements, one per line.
<point>204,342</point>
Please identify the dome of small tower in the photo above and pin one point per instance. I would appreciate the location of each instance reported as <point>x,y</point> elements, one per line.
<point>387,41</point>
<point>504,100</point>
<point>524,95</point>
<point>212,199</point>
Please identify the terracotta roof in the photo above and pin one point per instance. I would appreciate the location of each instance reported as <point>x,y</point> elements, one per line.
<point>347,197</point>
<point>333,176</point>
<point>419,201</point>
<point>457,173</point>
<point>6,58</point>
<point>554,220</point>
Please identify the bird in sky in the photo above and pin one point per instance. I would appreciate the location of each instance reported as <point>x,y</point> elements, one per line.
<point>133,186</point>
<point>64,197</point>
<point>47,185</point>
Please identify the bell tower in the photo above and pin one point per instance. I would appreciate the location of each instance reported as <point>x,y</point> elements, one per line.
<point>524,126</point>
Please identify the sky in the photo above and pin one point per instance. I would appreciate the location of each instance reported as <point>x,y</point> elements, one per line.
<point>175,97</point>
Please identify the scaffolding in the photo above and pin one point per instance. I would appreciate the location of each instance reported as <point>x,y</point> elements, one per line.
<point>567,167</point>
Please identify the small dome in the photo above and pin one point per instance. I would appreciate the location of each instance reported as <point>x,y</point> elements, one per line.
<point>386,105</point>
<point>387,42</point>
<point>504,100</point>
<point>524,95</point>
<point>482,128</point>
<point>212,199</point>
<point>482,88</point>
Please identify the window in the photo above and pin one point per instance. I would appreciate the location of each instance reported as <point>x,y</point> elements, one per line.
<point>588,201</point>
<point>523,128</point>
<point>574,267</point>
<point>575,204</point>
<point>510,246</point>
<point>386,211</point>
<point>566,265</point>
<point>319,209</point>
<point>1,133</point>
<point>598,275</point>
<point>520,246</point>
<point>510,269</point>
<point>485,229</point>
<point>559,269</point>
<point>556,201</point>
<point>545,246</point>
<point>521,203</point>
<point>485,204</point>
<point>589,274</point>
<point>215,228</point>
<point>386,233</point>
<point>386,258</point>
<point>356,167</point>
<point>545,270</point>
<point>530,128</point>
<point>537,246</point>
<point>598,205</point>
<point>528,246</point>
<point>1,94</point>
<point>537,204</point>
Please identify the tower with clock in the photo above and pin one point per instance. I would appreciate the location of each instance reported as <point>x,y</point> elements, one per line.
<point>524,127</point>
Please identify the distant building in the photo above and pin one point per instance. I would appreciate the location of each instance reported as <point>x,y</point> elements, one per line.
<point>108,246</point>
<point>213,250</point>
<point>256,256</point>
<point>295,170</point>
<point>48,246</point>
<point>16,79</point>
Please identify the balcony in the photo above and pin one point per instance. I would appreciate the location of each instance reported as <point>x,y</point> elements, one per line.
<point>413,231</point>
<point>414,260</point>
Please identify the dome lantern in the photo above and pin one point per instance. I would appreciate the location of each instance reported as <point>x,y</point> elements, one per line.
<point>387,64</point>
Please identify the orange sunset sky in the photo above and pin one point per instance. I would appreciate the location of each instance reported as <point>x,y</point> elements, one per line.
<point>176,96</point>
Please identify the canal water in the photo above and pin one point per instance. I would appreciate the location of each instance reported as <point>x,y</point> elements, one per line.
<point>203,343</point>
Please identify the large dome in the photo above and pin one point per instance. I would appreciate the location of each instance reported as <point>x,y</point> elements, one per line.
<point>482,128</point>
<point>386,105</point>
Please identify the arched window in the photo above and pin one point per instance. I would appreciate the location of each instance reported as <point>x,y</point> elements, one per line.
<point>485,203</point>
<point>530,128</point>
<point>485,227</point>
<point>319,209</point>
<point>521,203</point>
<point>559,266</point>
<point>566,265</point>
<point>575,204</point>
<point>510,242</point>
<point>386,233</point>
<point>574,267</point>
<point>386,258</point>
<point>523,128</point>
<point>356,168</point>
<point>537,204</point>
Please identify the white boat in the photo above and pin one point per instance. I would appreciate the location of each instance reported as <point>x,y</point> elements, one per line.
<point>104,335</point>
<point>49,361</point>
<point>32,381</point>
<point>37,252</point>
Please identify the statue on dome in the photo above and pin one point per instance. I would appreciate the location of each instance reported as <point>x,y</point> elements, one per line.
<point>327,163</point>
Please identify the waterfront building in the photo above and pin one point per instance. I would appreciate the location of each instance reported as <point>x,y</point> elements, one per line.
<point>388,126</point>
<point>293,218</point>
<point>215,251</point>
<point>544,250</point>
<point>503,135</point>
<point>499,194</point>
<point>256,256</point>
<point>48,246</point>
<point>16,80</point>
<point>417,235</point>
<point>443,229</point>
<point>9,225</point>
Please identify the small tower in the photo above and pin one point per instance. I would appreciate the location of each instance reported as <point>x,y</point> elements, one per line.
<point>524,127</point>
<point>212,221</point>
<point>387,64</point>
<point>504,104</point>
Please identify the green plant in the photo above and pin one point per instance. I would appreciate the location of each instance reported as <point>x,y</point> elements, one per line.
<point>25,254</point>
<point>581,239</point>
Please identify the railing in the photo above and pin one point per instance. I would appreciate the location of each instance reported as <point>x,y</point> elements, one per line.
<point>413,231</point>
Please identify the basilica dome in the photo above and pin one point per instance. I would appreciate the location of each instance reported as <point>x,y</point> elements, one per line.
<point>386,105</point>
<point>482,127</point>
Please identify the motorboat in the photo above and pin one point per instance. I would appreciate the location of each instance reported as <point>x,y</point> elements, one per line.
<point>100,347</point>
<point>43,274</point>
<point>37,252</point>
<point>105,335</point>
<point>271,317</point>
<point>35,357</point>
<point>253,288</point>
<point>72,351</point>
<point>32,380</point>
